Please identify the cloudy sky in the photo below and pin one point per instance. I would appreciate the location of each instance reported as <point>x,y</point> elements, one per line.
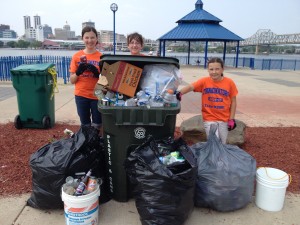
<point>155,17</point>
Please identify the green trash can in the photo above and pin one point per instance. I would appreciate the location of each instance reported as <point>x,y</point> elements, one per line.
<point>35,85</point>
<point>125,128</point>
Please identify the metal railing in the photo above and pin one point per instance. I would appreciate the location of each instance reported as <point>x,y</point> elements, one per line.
<point>252,63</point>
<point>62,64</point>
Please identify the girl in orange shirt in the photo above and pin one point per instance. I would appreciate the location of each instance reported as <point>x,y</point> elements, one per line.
<point>218,99</point>
<point>84,73</point>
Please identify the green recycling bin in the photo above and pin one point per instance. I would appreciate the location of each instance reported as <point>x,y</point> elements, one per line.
<point>35,85</point>
<point>125,128</point>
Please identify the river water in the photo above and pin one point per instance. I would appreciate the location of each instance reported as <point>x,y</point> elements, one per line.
<point>28,52</point>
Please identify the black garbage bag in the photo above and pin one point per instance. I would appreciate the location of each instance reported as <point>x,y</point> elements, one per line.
<point>226,175</point>
<point>53,162</point>
<point>163,193</point>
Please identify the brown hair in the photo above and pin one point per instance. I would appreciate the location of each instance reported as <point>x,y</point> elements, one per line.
<point>216,60</point>
<point>88,29</point>
<point>135,36</point>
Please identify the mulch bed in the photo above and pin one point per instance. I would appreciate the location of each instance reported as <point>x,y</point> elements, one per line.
<point>277,147</point>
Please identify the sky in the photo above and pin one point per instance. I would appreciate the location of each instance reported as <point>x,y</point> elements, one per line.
<point>154,18</point>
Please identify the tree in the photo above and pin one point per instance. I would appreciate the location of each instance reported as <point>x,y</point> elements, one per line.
<point>23,44</point>
<point>12,44</point>
<point>146,48</point>
<point>36,44</point>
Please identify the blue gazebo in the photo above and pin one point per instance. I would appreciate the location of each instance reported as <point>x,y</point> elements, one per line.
<point>199,25</point>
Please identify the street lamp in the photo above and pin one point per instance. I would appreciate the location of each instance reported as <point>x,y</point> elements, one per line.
<point>114,8</point>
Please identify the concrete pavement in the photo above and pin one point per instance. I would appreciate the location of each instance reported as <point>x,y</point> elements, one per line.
<point>266,99</point>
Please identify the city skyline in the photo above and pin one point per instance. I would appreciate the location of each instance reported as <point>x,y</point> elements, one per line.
<point>157,18</point>
<point>37,24</point>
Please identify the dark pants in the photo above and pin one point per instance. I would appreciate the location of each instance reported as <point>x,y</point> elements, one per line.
<point>87,109</point>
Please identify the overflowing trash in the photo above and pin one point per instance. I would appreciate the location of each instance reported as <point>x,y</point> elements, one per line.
<point>155,88</point>
<point>80,195</point>
<point>82,184</point>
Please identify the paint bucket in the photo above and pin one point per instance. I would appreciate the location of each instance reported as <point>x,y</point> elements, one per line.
<point>81,210</point>
<point>271,186</point>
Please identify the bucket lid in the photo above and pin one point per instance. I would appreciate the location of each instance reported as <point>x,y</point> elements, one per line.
<point>272,175</point>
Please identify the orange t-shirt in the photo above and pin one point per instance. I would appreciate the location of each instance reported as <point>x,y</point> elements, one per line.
<point>85,84</point>
<point>216,97</point>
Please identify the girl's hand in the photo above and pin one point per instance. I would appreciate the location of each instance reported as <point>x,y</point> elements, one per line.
<point>81,68</point>
<point>178,95</point>
<point>231,124</point>
<point>93,69</point>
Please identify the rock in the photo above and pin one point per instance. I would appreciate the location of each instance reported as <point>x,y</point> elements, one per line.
<point>193,131</point>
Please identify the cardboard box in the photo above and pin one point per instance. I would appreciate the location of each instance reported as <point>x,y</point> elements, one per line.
<point>122,77</point>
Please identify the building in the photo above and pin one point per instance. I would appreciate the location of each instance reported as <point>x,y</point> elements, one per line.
<point>88,24</point>
<point>64,33</point>
<point>151,43</point>
<point>4,27</point>
<point>6,32</point>
<point>27,23</point>
<point>39,32</point>
<point>30,33</point>
<point>47,31</point>
<point>37,21</point>
<point>106,36</point>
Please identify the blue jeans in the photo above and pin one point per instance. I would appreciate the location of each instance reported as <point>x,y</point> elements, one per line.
<point>87,109</point>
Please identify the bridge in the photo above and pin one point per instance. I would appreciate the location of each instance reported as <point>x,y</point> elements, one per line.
<point>267,37</point>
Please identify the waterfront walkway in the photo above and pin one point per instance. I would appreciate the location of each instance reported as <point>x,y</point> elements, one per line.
<point>266,99</point>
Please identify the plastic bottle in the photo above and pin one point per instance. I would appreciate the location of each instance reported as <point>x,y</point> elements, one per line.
<point>130,102</point>
<point>82,185</point>
<point>68,132</point>
<point>170,98</point>
<point>70,181</point>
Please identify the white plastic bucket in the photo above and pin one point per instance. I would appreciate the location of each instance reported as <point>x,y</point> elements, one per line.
<point>271,186</point>
<point>81,210</point>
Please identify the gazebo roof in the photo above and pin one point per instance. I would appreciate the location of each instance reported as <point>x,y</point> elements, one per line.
<point>199,25</point>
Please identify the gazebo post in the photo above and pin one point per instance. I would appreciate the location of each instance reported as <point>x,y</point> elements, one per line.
<point>205,54</point>
<point>164,48</point>
<point>189,43</point>
<point>159,48</point>
<point>237,54</point>
<point>224,52</point>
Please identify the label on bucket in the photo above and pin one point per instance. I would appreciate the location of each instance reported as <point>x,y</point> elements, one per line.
<point>84,216</point>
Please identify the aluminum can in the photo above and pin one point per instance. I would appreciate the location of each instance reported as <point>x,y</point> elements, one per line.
<point>83,59</point>
<point>91,185</point>
<point>104,102</point>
